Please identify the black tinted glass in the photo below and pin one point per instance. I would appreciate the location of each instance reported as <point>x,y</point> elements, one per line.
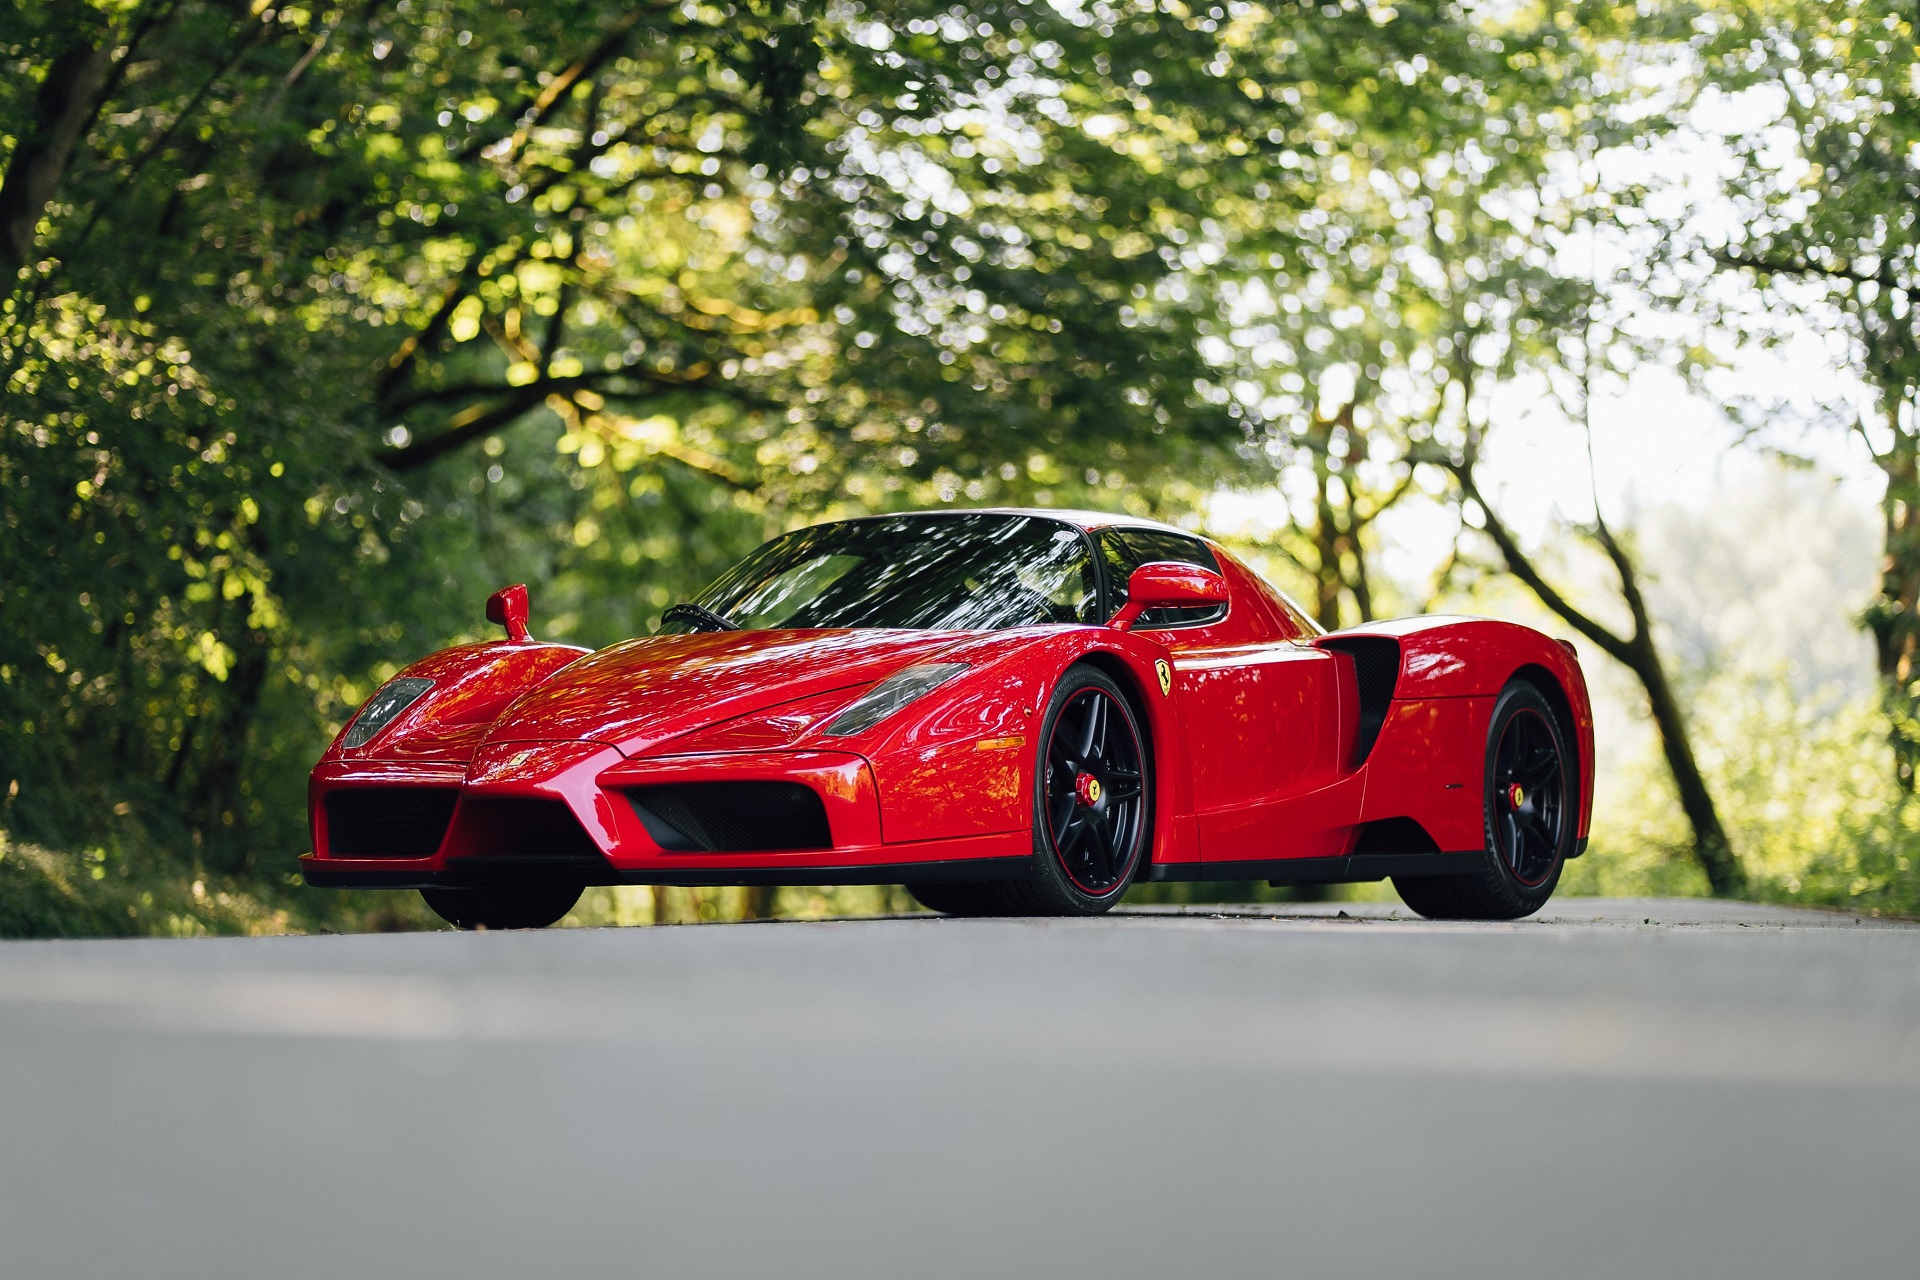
<point>1124,550</point>
<point>962,572</point>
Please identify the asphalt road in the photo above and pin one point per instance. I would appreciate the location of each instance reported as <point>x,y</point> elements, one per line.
<point>1619,1089</point>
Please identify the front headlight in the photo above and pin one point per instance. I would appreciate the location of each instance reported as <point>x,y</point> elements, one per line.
<point>891,694</point>
<point>384,706</point>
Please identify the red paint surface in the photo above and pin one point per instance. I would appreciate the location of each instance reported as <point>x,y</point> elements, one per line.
<point>1434,755</point>
<point>1254,749</point>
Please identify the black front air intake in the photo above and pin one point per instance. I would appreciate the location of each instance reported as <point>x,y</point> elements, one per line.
<point>732,817</point>
<point>515,827</point>
<point>388,822</point>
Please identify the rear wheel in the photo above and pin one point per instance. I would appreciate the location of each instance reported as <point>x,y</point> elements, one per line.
<point>1529,819</point>
<point>516,907</point>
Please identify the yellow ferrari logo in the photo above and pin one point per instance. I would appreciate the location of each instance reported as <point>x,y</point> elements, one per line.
<point>1165,672</point>
<point>1093,791</point>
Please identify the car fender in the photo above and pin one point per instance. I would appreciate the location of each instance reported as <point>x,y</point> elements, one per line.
<point>1459,657</point>
<point>961,760</point>
<point>472,685</point>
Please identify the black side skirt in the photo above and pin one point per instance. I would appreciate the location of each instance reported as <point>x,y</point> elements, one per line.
<point>1350,870</point>
<point>1355,869</point>
<point>475,873</point>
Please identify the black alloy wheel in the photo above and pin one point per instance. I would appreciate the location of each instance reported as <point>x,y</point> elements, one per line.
<point>1092,809</point>
<point>1093,801</point>
<point>1528,804</point>
<point>1529,819</point>
<point>532,906</point>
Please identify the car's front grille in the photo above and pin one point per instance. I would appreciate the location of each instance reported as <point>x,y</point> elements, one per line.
<point>388,822</point>
<point>732,817</point>
<point>511,827</point>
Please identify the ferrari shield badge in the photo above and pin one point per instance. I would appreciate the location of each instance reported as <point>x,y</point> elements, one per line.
<point>1165,672</point>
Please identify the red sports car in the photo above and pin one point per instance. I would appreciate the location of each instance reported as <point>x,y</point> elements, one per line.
<point>1009,712</point>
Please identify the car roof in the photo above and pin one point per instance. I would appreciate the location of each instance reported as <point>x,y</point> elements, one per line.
<point>1091,521</point>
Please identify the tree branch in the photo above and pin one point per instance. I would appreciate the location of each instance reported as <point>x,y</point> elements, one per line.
<point>1522,567</point>
<point>1799,265</point>
<point>466,426</point>
<point>551,97</point>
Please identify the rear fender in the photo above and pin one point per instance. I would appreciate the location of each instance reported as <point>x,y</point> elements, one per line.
<point>1446,657</point>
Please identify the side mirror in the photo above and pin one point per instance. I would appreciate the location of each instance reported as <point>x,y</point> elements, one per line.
<point>508,607</point>
<point>1167,585</point>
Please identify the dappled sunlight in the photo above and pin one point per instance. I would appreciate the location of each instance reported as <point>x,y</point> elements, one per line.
<point>321,323</point>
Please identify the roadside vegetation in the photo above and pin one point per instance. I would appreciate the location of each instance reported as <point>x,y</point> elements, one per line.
<point>319,322</point>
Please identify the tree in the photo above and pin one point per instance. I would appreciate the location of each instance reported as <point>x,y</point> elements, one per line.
<point>1454,254</point>
<point>1636,648</point>
<point>1824,230</point>
<point>325,317</point>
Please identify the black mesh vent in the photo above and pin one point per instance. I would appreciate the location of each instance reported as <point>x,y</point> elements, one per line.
<point>1376,666</point>
<point>1395,835</point>
<point>732,817</point>
<point>512,828</point>
<point>388,822</point>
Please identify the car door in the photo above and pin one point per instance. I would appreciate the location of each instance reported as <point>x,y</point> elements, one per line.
<point>1261,710</point>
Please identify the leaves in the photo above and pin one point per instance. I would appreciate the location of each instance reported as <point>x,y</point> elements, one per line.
<point>339,316</point>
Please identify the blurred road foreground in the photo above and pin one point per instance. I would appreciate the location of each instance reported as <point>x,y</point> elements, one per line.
<point>1616,1088</point>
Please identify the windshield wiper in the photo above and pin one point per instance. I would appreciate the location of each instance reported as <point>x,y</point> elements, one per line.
<point>702,619</point>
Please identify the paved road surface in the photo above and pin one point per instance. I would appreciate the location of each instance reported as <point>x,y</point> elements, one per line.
<point>1622,1089</point>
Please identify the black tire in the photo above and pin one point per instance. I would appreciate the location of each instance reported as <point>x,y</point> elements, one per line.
<point>1529,802</point>
<point>955,898</point>
<point>532,906</point>
<point>1092,803</point>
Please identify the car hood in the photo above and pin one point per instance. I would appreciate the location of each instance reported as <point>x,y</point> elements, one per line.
<point>641,693</point>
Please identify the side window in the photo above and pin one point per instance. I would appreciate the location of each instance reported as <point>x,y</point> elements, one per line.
<point>1124,550</point>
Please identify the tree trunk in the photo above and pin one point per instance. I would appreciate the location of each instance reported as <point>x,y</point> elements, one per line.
<point>1326,551</point>
<point>62,110</point>
<point>1711,848</point>
<point>219,785</point>
<point>1891,619</point>
<point>1641,655</point>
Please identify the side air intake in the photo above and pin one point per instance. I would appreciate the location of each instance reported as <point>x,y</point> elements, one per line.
<point>388,822</point>
<point>732,817</point>
<point>1376,665</point>
<point>1395,835</point>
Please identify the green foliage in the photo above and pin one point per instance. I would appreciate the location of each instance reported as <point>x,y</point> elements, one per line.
<point>107,892</point>
<point>320,322</point>
<point>326,320</point>
<point>1805,795</point>
<point>1825,168</point>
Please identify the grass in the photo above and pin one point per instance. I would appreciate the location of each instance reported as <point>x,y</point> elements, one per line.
<point>1806,794</point>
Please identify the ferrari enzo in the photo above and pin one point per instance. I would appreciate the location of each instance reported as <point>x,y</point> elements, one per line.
<point>1009,712</point>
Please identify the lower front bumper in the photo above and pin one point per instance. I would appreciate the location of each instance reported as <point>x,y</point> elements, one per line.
<point>474,873</point>
<point>572,813</point>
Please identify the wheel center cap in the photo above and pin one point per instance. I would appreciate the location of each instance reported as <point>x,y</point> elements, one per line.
<point>1087,788</point>
<point>1516,795</point>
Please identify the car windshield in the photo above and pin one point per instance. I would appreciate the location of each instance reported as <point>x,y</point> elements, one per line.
<point>959,572</point>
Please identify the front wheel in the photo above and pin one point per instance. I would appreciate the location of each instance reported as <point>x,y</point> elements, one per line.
<point>1092,803</point>
<point>1529,803</point>
<point>517,907</point>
